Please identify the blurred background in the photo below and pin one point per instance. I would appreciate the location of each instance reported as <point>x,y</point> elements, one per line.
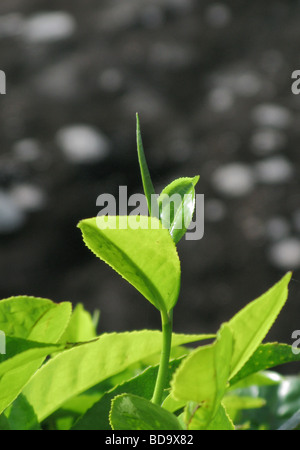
<point>212,84</point>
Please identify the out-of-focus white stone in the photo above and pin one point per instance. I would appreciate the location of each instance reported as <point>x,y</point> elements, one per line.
<point>240,81</point>
<point>286,254</point>
<point>275,170</point>
<point>267,140</point>
<point>28,197</point>
<point>11,24</point>
<point>215,210</point>
<point>296,220</point>
<point>27,150</point>
<point>152,16</point>
<point>111,80</point>
<point>47,27</point>
<point>59,81</point>
<point>277,228</point>
<point>11,215</point>
<point>83,144</point>
<point>171,55</point>
<point>253,228</point>
<point>271,115</point>
<point>234,180</point>
<point>221,99</point>
<point>218,15</point>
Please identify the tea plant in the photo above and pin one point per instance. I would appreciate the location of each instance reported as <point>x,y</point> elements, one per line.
<point>58,374</point>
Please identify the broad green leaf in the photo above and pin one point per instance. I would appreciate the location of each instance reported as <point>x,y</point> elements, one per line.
<point>67,415</point>
<point>203,375</point>
<point>266,378</point>
<point>146,178</point>
<point>173,405</point>
<point>52,324</point>
<point>176,206</point>
<point>250,326</point>
<point>145,257</point>
<point>130,412</point>
<point>193,419</point>
<point>240,402</point>
<point>21,416</point>
<point>80,328</point>
<point>142,385</point>
<point>89,364</point>
<point>4,425</point>
<point>221,421</point>
<point>18,315</point>
<point>22,360</point>
<point>265,357</point>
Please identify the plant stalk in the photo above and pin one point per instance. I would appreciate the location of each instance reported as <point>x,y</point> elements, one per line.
<point>162,376</point>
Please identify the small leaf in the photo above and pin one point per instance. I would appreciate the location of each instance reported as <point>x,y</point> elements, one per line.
<point>203,375</point>
<point>251,324</point>
<point>145,257</point>
<point>221,421</point>
<point>265,357</point>
<point>130,412</point>
<point>242,402</point>
<point>176,206</point>
<point>146,178</point>
<point>19,315</point>
<point>266,378</point>
<point>80,328</point>
<point>194,414</point>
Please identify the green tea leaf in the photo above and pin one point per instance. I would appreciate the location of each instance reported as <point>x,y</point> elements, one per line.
<point>221,421</point>
<point>52,324</point>
<point>266,378</point>
<point>146,178</point>
<point>173,405</point>
<point>193,419</point>
<point>239,402</point>
<point>265,357</point>
<point>4,425</point>
<point>21,416</point>
<point>203,375</point>
<point>176,206</point>
<point>89,364</point>
<point>80,328</point>
<point>130,412</point>
<point>251,324</point>
<point>19,315</point>
<point>142,385</point>
<point>22,360</point>
<point>146,258</point>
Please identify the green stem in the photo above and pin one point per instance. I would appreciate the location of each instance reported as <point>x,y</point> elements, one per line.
<point>161,381</point>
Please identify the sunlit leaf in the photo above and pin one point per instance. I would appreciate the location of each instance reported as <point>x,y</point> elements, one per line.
<point>146,178</point>
<point>145,257</point>
<point>252,323</point>
<point>130,412</point>
<point>176,206</point>
<point>86,365</point>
